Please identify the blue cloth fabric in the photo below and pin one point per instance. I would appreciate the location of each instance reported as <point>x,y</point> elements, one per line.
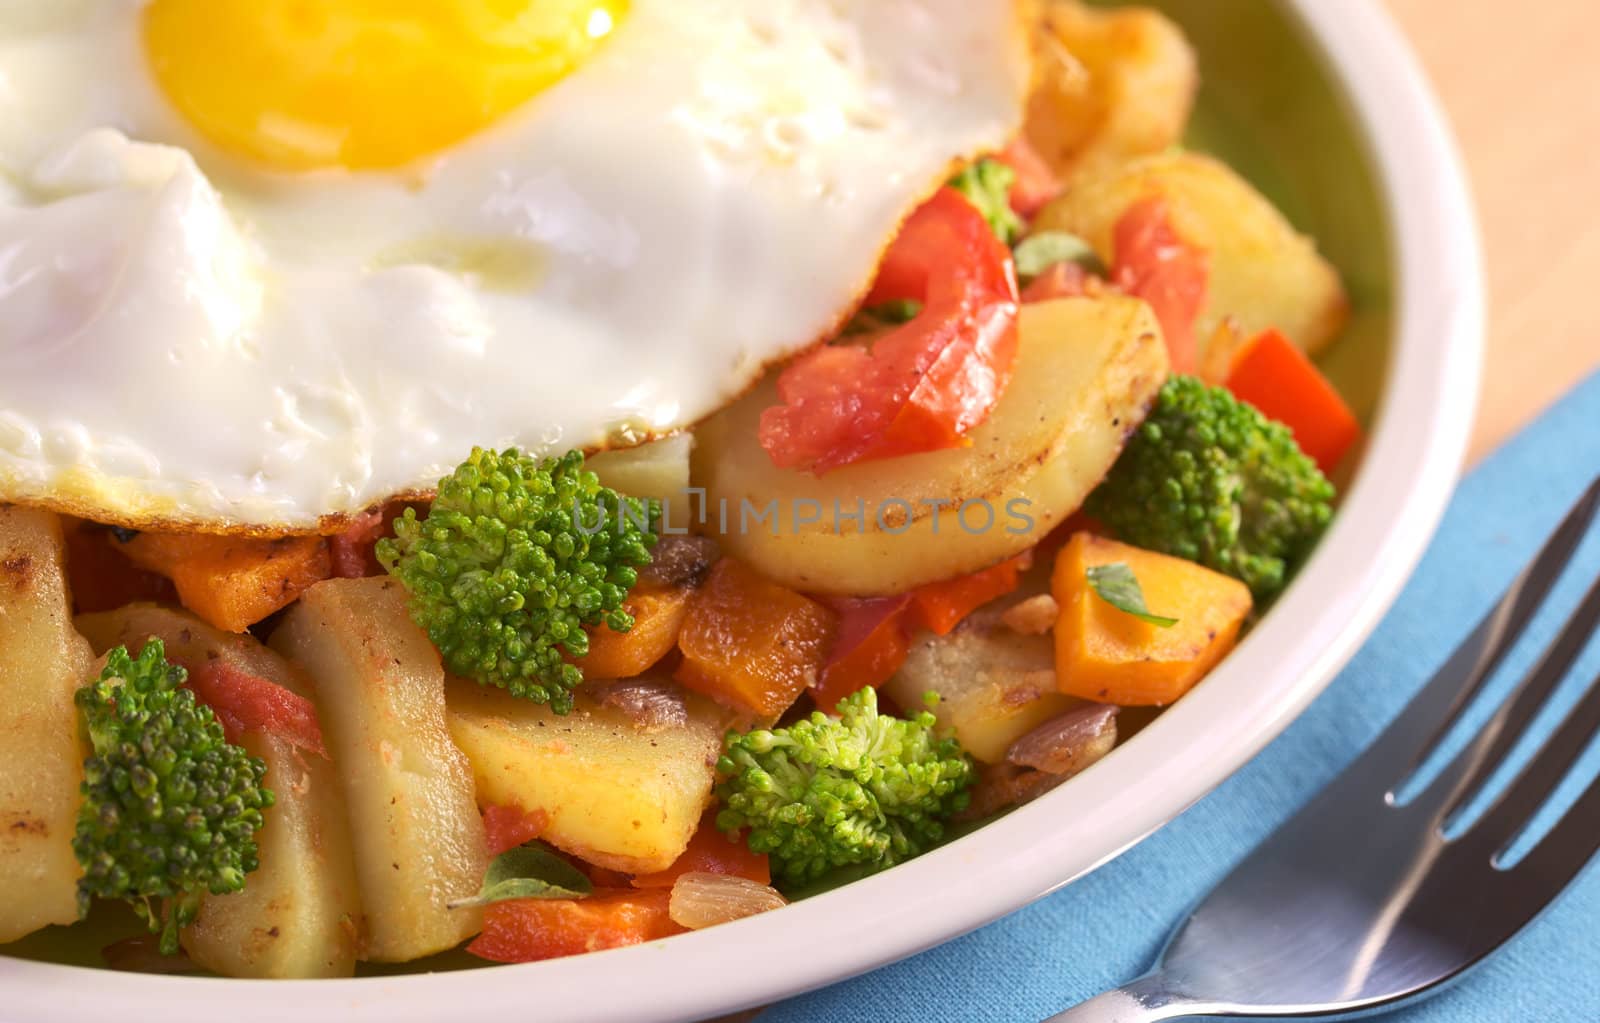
<point>1107,927</point>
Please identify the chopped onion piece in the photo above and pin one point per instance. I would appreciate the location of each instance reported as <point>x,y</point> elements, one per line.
<point>680,560</point>
<point>1032,617</point>
<point>652,705</point>
<point>1069,743</point>
<point>700,899</point>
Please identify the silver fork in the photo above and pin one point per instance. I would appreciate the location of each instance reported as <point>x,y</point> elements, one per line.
<point>1360,901</point>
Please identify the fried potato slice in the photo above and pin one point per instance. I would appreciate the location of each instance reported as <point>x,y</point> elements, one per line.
<point>299,914</point>
<point>1086,372</point>
<point>419,842</point>
<point>43,661</point>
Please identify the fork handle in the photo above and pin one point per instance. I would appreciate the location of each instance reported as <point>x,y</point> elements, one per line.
<point>1147,1000</point>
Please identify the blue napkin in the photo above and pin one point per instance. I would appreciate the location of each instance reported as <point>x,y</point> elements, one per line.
<point>1106,928</point>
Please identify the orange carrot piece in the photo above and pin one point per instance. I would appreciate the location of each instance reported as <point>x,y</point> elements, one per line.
<point>1109,656</point>
<point>527,930</point>
<point>713,852</point>
<point>657,618</point>
<point>506,827</point>
<point>940,606</point>
<point>232,582</point>
<point>1280,380</point>
<point>751,643</point>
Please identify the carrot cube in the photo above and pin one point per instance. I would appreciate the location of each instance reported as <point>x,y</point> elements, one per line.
<point>751,643</point>
<point>1110,656</point>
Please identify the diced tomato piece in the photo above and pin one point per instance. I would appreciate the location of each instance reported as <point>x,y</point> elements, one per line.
<point>941,606</point>
<point>245,703</point>
<point>527,930</point>
<point>506,827</point>
<point>874,633</point>
<point>920,386</point>
<point>871,645</point>
<point>1061,280</point>
<point>352,550</point>
<point>1280,380</point>
<point>1155,264</point>
<point>713,852</point>
<point>1035,184</point>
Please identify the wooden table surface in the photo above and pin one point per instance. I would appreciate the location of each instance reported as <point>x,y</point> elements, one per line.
<point>1523,90</point>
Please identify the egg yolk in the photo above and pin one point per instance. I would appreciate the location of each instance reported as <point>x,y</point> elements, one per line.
<point>362,84</point>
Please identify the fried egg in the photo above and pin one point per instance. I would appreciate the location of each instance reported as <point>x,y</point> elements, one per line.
<point>264,263</point>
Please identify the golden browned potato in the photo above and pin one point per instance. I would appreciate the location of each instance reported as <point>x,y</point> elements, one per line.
<point>43,661</point>
<point>1085,374</point>
<point>299,914</point>
<point>994,685</point>
<point>414,822</point>
<point>1112,85</point>
<point>1264,273</point>
<point>619,792</point>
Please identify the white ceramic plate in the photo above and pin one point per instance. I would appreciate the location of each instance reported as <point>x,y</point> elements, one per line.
<point>1431,298</point>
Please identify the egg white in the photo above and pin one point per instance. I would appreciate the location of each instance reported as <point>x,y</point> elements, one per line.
<point>191,340</point>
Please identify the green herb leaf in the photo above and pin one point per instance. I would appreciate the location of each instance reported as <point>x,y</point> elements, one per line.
<point>987,185</point>
<point>1118,586</point>
<point>531,871</point>
<point>1039,252</point>
<point>884,314</point>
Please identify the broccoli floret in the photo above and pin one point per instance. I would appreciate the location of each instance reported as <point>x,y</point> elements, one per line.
<point>170,808</point>
<point>864,789</point>
<point>1210,479</point>
<point>514,558</point>
<point>987,185</point>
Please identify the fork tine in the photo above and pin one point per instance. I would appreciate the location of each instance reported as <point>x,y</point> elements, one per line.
<point>1460,781</point>
<point>1520,801</point>
<point>1569,845</point>
<point>1406,743</point>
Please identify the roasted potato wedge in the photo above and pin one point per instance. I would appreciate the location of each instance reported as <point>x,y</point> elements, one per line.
<point>43,661</point>
<point>618,793</point>
<point>299,914</point>
<point>1086,371</point>
<point>1112,85</point>
<point>1264,273</point>
<point>994,685</point>
<point>414,822</point>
